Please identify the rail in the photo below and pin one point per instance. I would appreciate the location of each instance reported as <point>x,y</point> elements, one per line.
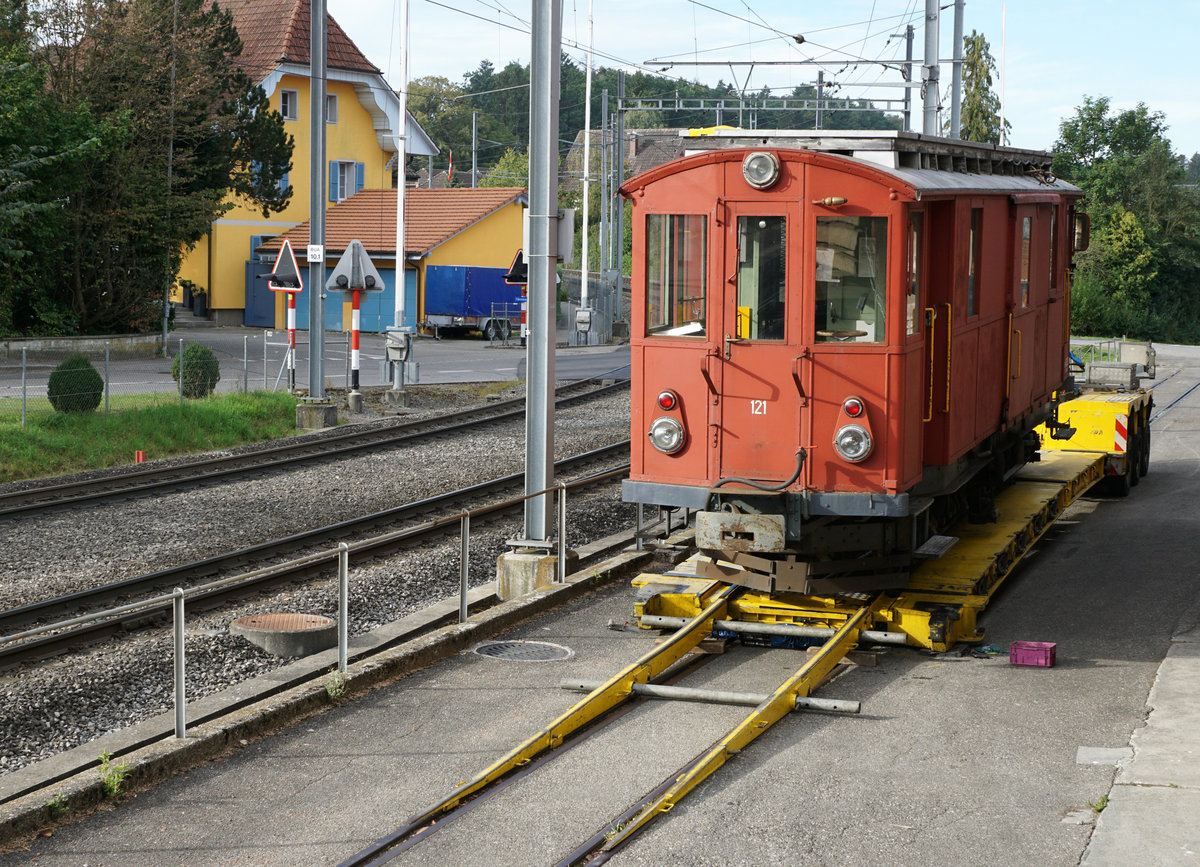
<point>177,598</point>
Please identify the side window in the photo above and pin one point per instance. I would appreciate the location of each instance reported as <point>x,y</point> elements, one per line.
<point>1053,249</point>
<point>851,266</point>
<point>676,274</point>
<point>289,104</point>
<point>761,291</point>
<point>912,272</point>
<point>975,246</point>
<point>1026,227</point>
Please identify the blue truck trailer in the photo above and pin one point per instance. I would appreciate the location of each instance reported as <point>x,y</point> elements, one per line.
<point>470,298</point>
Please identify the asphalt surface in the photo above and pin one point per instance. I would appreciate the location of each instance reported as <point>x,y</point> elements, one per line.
<point>954,759</point>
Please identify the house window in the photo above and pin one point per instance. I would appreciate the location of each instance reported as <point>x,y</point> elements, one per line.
<point>283,183</point>
<point>345,179</point>
<point>331,108</point>
<point>289,104</point>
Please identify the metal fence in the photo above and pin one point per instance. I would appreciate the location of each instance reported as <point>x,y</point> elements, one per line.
<point>124,380</point>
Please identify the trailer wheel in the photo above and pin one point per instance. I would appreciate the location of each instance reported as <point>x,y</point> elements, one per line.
<point>491,331</point>
<point>1144,453</point>
<point>1134,461</point>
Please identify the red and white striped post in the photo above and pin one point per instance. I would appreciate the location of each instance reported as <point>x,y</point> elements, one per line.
<point>291,352</point>
<point>354,324</point>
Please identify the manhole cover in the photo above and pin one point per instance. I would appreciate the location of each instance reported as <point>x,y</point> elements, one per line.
<point>524,651</point>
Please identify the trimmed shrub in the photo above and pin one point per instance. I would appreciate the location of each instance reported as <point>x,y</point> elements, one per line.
<point>201,372</point>
<point>75,386</point>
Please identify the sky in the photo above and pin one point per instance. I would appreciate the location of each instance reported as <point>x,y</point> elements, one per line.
<point>1052,52</point>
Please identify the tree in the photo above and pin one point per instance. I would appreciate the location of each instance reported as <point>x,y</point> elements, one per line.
<point>980,105</point>
<point>1142,275</point>
<point>511,170</point>
<point>106,68</point>
<point>1193,169</point>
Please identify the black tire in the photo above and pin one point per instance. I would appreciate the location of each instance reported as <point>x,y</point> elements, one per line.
<point>491,331</point>
<point>1133,461</point>
<point>1144,454</point>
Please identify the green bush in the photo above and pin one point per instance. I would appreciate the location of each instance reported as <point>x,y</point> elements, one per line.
<point>201,372</point>
<point>75,386</point>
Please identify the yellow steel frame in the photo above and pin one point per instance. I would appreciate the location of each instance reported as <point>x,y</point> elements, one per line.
<point>773,709</point>
<point>944,597</point>
<point>611,693</point>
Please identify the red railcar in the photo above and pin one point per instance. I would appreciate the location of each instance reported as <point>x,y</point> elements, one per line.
<point>842,341</point>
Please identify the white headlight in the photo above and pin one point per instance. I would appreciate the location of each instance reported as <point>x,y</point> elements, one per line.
<point>667,435</point>
<point>853,443</point>
<point>760,169</point>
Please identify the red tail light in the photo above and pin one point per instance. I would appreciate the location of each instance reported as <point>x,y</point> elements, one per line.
<point>668,400</point>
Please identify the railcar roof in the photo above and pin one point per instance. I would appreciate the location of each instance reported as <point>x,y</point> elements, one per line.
<point>929,164</point>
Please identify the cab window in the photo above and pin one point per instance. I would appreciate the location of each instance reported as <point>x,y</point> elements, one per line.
<point>761,297</point>
<point>676,274</point>
<point>851,266</point>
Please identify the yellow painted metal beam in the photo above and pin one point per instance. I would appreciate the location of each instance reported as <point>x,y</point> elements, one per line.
<point>777,706</point>
<point>608,695</point>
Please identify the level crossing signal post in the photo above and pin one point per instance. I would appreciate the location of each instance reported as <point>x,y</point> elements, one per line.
<point>355,274</point>
<point>285,277</point>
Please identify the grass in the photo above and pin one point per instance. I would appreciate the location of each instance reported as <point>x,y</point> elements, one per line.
<point>112,777</point>
<point>62,443</point>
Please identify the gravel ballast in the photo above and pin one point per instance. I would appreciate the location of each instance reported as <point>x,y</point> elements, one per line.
<point>68,701</point>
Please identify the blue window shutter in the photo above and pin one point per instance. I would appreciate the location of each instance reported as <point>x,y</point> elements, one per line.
<point>333,180</point>
<point>360,171</point>
<point>283,182</point>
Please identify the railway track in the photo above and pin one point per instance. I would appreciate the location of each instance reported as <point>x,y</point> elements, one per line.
<point>437,515</point>
<point>179,475</point>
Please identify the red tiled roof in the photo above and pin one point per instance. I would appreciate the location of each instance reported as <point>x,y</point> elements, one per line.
<point>431,217</point>
<point>277,31</point>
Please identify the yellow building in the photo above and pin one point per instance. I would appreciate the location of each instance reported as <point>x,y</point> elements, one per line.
<point>360,147</point>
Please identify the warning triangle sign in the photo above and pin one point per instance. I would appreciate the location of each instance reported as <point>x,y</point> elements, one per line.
<point>285,276</point>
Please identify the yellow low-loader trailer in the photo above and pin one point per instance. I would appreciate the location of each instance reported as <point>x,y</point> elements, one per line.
<point>941,604</point>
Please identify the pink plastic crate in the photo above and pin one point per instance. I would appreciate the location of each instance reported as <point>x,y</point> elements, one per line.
<point>1039,654</point>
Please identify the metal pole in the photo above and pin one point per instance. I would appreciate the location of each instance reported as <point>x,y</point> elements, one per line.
<point>604,226</point>
<point>908,67</point>
<point>24,383</point>
<point>464,564</point>
<point>316,214</point>
<point>716,696</point>
<point>166,305</point>
<point>291,351</point>
<point>343,603</point>
<point>265,382</point>
<point>618,204</point>
<point>474,147</point>
<point>929,72</point>
<point>180,693</point>
<point>543,219</point>
<point>181,371</point>
<point>354,323</point>
<point>106,345</point>
<point>638,527</point>
<point>820,95</point>
<point>400,316</point>
<point>956,73</point>
<point>587,166</point>
<point>562,532</point>
<point>245,363</point>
